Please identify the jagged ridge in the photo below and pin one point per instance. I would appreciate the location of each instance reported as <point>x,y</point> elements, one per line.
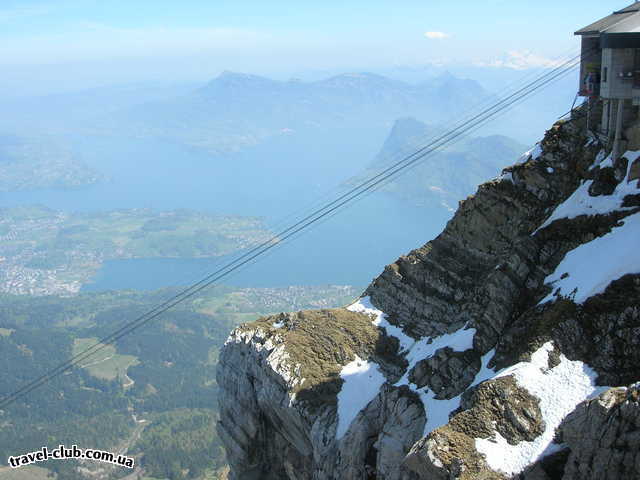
<point>480,374</point>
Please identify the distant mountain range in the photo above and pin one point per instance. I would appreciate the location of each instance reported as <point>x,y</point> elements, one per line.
<point>445,177</point>
<point>236,110</point>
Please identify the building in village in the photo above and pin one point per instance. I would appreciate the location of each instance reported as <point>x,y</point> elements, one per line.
<point>610,76</point>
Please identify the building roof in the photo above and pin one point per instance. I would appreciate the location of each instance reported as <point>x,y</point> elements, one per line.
<point>634,7</point>
<point>610,21</point>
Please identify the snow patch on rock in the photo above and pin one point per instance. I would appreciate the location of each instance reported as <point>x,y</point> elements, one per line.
<point>534,153</point>
<point>437,411</point>
<point>506,177</point>
<point>559,390</point>
<point>581,203</point>
<point>425,347</point>
<point>602,161</point>
<point>365,306</point>
<point>362,382</point>
<point>590,268</point>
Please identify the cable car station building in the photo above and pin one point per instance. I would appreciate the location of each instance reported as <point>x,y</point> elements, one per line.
<point>610,76</point>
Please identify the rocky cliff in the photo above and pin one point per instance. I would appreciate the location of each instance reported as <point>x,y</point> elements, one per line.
<point>507,347</point>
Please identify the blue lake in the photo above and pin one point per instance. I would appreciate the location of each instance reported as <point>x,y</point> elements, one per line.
<point>272,181</point>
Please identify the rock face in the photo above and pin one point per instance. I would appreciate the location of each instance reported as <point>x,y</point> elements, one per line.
<point>603,434</point>
<point>475,356</point>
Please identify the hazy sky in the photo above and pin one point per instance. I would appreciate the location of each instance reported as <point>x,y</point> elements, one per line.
<point>65,44</point>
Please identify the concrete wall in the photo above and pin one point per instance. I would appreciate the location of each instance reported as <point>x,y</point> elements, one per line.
<point>616,62</point>
<point>629,119</point>
<point>613,66</point>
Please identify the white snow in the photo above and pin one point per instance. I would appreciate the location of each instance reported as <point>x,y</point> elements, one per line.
<point>485,372</point>
<point>437,411</point>
<point>604,162</point>
<point>506,177</point>
<point>534,153</point>
<point>550,170</point>
<point>362,382</point>
<point>581,203</point>
<point>592,266</point>
<point>559,390</point>
<point>279,324</point>
<point>601,161</point>
<point>364,305</point>
<point>415,350</point>
<point>425,347</point>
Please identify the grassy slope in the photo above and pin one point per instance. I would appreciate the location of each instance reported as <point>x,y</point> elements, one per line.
<point>105,363</point>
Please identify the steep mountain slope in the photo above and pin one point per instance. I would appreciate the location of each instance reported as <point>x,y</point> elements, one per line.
<point>447,176</point>
<point>487,353</point>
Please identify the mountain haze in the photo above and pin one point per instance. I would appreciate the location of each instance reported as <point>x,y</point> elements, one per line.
<point>237,110</point>
<point>445,176</point>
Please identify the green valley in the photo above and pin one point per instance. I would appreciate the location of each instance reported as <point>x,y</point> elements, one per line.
<point>153,394</point>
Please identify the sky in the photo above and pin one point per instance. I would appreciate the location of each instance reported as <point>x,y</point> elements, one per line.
<point>69,44</point>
